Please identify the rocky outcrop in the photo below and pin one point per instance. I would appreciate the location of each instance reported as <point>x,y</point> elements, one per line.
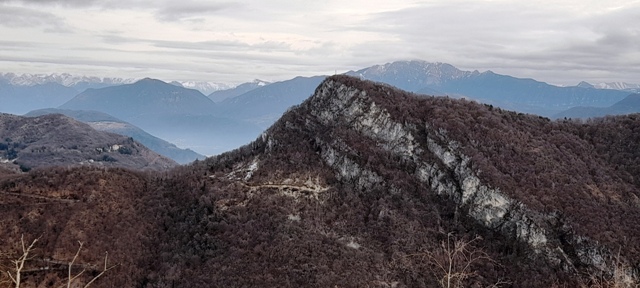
<point>451,175</point>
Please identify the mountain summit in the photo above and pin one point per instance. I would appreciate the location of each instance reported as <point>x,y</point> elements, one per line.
<point>366,185</point>
<point>411,75</point>
<point>147,96</point>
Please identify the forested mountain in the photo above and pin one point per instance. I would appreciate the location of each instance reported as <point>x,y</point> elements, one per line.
<point>105,122</point>
<point>360,185</point>
<point>57,140</point>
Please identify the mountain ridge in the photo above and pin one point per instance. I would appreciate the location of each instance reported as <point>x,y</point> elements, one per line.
<point>361,185</point>
<point>105,122</point>
<point>57,140</point>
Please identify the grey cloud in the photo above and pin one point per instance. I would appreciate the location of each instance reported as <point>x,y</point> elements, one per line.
<point>508,37</point>
<point>179,11</point>
<point>25,17</point>
<point>111,4</point>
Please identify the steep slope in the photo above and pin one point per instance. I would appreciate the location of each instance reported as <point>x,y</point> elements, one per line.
<point>364,185</point>
<point>60,207</point>
<point>57,140</point>
<point>105,122</point>
<point>628,105</point>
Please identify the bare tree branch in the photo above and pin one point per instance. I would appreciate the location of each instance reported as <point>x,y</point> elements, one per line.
<point>19,263</point>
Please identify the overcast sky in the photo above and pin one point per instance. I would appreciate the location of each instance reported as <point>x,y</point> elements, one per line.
<point>560,41</point>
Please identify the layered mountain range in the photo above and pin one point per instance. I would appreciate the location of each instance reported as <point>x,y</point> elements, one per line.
<point>182,116</point>
<point>228,118</point>
<point>360,185</point>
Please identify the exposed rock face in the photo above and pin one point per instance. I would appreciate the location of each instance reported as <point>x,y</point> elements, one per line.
<point>452,176</point>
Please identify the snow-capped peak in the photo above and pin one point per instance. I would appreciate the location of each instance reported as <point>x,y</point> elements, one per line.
<point>62,79</point>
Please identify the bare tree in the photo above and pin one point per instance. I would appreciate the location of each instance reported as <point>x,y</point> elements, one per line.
<point>104,269</point>
<point>622,276</point>
<point>18,266</point>
<point>19,263</point>
<point>452,262</point>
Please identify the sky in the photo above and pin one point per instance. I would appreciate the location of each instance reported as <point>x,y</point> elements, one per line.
<point>561,42</point>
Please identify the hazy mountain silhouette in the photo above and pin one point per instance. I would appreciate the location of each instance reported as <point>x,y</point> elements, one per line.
<point>22,99</point>
<point>182,116</point>
<point>219,96</point>
<point>523,95</point>
<point>264,105</point>
<point>142,98</point>
<point>628,105</point>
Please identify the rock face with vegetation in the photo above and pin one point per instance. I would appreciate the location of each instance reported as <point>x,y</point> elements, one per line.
<point>364,185</point>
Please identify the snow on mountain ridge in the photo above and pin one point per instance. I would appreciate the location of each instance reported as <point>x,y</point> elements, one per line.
<point>411,75</point>
<point>68,80</point>
<point>64,79</point>
<point>206,87</point>
<point>616,85</point>
<point>612,85</point>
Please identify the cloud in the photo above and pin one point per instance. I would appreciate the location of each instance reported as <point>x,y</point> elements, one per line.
<point>19,17</point>
<point>176,11</point>
<point>557,41</point>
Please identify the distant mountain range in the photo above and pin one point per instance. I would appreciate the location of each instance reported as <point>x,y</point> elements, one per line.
<point>58,140</point>
<point>263,105</point>
<point>22,99</point>
<point>205,88</point>
<point>628,105</point>
<point>179,115</point>
<point>612,85</point>
<point>104,122</point>
<point>81,83</point>
<point>523,95</point>
<point>220,95</point>
<point>227,118</point>
<point>412,75</point>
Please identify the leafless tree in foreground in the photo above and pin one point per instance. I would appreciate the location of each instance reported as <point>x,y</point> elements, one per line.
<point>19,263</point>
<point>15,273</point>
<point>452,262</point>
<point>105,268</point>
